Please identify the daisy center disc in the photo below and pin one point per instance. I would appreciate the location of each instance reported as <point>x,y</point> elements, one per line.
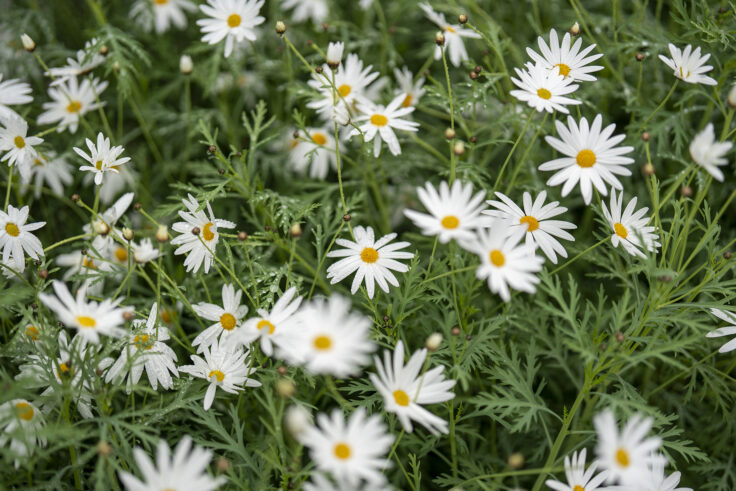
<point>12,229</point>
<point>379,120</point>
<point>98,165</point>
<point>263,324</point>
<point>32,332</point>
<point>63,369</point>
<point>586,158</point>
<point>544,93</point>
<point>319,138</point>
<point>531,223</point>
<point>450,222</point>
<point>450,29</point>
<point>74,107</point>
<point>622,457</point>
<point>344,90</point>
<point>407,100</point>
<point>322,343</point>
<point>88,263</point>
<point>217,374</point>
<point>683,76</point>
<point>160,2</point>
<point>578,487</point>
<point>141,342</point>
<point>369,255</point>
<point>564,69</point>
<point>121,254</point>
<point>37,162</point>
<point>620,230</point>
<point>401,398</point>
<point>19,142</point>
<point>24,411</point>
<point>233,20</point>
<point>86,321</point>
<point>228,321</point>
<point>497,258</point>
<point>342,451</point>
<point>207,233</point>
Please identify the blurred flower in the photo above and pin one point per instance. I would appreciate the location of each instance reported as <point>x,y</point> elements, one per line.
<point>70,100</point>
<point>708,153</point>
<point>454,34</point>
<point>13,92</point>
<point>161,14</point>
<point>19,146</point>
<point>86,61</point>
<point>272,327</point>
<point>231,20</point>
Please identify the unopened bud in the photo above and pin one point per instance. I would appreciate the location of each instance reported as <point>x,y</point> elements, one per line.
<point>575,29</point>
<point>473,75</point>
<point>137,205</point>
<point>128,316</point>
<point>732,97</point>
<point>458,148</point>
<point>104,449</point>
<point>222,464</point>
<point>297,419</point>
<point>280,28</point>
<point>101,228</point>
<point>285,388</point>
<point>211,149</point>
<point>462,18</point>
<point>439,38</point>
<point>242,236</point>
<point>473,139</point>
<point>116,67</point>
<point>295,231</point>
<point>516,460</point>
<point>162,234</point>
<point>127,233</point>
<point>346,218</point>
<point>28,43</point>
<point>75,198</point>
<point>647,169</point>
<point>646,136</point>
<point>620,336</point>
<point>195,230</point>
<point>103,50</point>
<point>449,133</point>
<point>185,64</point>
<point>318,69</point>
<point>686,191</point>
<point>44,273</point>
<point>639,56</point>
<point>433,341</point>
<point>727,255</point>
<point>334,54</point>
<point>455,331</point>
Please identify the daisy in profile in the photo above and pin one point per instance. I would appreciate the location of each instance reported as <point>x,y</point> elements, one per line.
<point>544,89</point>
<point>16,237</point>
<point>379,122</point>
<point>21,423</point>
<point>147,351</point>
<point>13,92</point>
<point>330,339</point>
<point>231,20</point>
<point>144,252</point>
<point>227,318</point>
<point>504,262</point>
<point>724,331</point>
<point>274,326</point>
<point>202,246</point>
<point>226,368</point>
<point>709,153</point>
<point>15,141</point>
<point>577,477</point>
<point>688,65</point>
<point>454,34</point>
<point>349,450</point>
<point>405,391</point>
<point>411,90</point>
<point>306,9</point>
<point>315,150</point>
<point>186,470</point>
<point>590,156</point>
<point>103,158</point>
<point>91,319</point>
<point>85,61</point>
<point>629,227</point>
<point>534,219</point>
<point>454,213</point>
<point>657,481</point>
<point>50,170</point>
<point>162,14</point>
<point>628,455</point>
<point>369,259</point>
<point>569,60</point>
<point>70,100</point>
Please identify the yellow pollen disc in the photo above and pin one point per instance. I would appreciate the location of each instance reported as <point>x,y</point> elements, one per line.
<point>544,93</point>
<point>620,230</point>
<point>74,107</point>
<point>369,255</point>
<point>450,29</point>
<point>407,100</point>
<point>342,451</point>
<point>344,90</point>
<point>531,223</point>
<point>141,341</point>
<point>12,229</point>
<point>401,398</point>
<point>167,316</point>
<point>37,162</point>
<point>586,158</point>
<point>86,321</point>
<point>622,457</point>
<point>233,20</point>
<point>160,2</point>
<point>98,165</point>
<point>227,321</point>
<point>379,120</point>
<point>564,69</point>
<point>683,75</point>
<point>322,343</point>
<point>24,411</point>
<point>208,234</point>
<point>63,368</point>
<point>263,324</point>
<point>19,142</point>
<point>121,254</point>
<point>218,374</point>
<point>450,222</point>
<point>497,258</point>
<point>578,487</point>
<point>32,332</point>
<point>88,263</point>
<point>319,138</point>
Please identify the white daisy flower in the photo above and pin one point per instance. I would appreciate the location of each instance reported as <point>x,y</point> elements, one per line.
<point>147,351</point>
<point>83,64</point>
<point>161,14</point>
<point>223,367</point>
<point>370,259</point>
<point>320,482</point>
<point>544,89</point>
<point>52,171</point>
<point>629,227</point>
<point>688,65</point>
<point>709,153</point>
<point>454,213</point>
<point>590,156</point>
<point>349,450</point>
<point>200,247</point>
<point>724,331</point>
<point>454,34</point>
<point>21,422</point>
<point>570,61</point>
<point>577,477</point>
<point>231,20</point>
<point>85,265</point>
<point>405,390</point>
<point>315,150</point>
<point>306,9</point>
<point>16,237</point>
<point>379,122</point>
<point>186,470</point>
<point>534,219</point>
<point>13,92</point>
<point>144,252</point>
<point>19,146</point>
<point>626,455</point>
<point>411,90</point>
<point>102,157</point>
<point>91,319</point>
<point>227,319</point>
<point>330,339</point>
<point>504,261</point>
<point>71,100</point>
<point>656,480</point>
<point>275,326</point>
<point>334,53</point>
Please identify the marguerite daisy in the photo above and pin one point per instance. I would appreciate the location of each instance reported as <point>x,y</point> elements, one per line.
<point>13,92</point>
<point>316,150</point>
<point>143,251</point>
<point>656,480</point>
<point>307,9</point>
<point>544,89</point>
<point>577,477</point>
<point>70,100</point>
<point>227,318</point>
<point>19,146</point>
<point>411,90</point>
<point>724,331</point>
<point>320,482</point>
<point>708,153</point>
<point>629,227</point>
<point>52,171</point>
<point>83,64</point>
<point>16,237</point>
<point>570,61</point>
<point>454,34</point>
<point>378,123</point>
<point>102,157</point>
<point>688,65</point>
<point>162,14</point>
<point>21,422</point>
<point>274,326</point>
<point>231,20</point>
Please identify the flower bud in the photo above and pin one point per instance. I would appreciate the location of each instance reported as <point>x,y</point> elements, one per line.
<point>185,64</point>
<point>462,18</point>
<point>686,191</point>
<point>648,169</point>
<point>162,234</point>
<point>295,231</point>
<point>575,29</point>
<point>646,136</point>
<point>439,38</point>
<point>222,464</point>
<point>195,230</point>
<point>732,97</point>
<point>101,228</point>
<point>127,234</point>
<point>242,236</point>
<point>104,449</point>
<point>433,341</point>
<point>285,388</point>
<point>297,419</point>
<point>346,218</point>
<point>639,56</point>
<point>28,43</point>
<point>334,54</point>
<point>280,28</point>
<point>458,148</point>
<point>516,460</point>
<point>449,133</point>
<point>455,331</point>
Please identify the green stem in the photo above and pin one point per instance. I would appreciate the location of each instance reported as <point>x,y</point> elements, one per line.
<point>516,143</point>
<point>661,104</point>
<point>526,152</point>
<point>567,263</point>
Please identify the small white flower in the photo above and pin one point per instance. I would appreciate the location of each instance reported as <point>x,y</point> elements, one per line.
<point>16,237</point>
<point>454,34</point>
<point>629,227</point>
<point>297,419</point>
<point>411,90</point>
<point>50,170</point>
<point>13,92</point>
<point>102,157</point>
<point>570,61</point>
<point>21,422</point>
<point>83,64</point>
<point>231,20</point>
<point>186,470</point>
<point>143,251</point>
<point>320,481</point>
<point>544,89</point>
<point>70,100</point>
<point>378,123</point>
<point>273,327</point>
<point>655,481</point>
<point>577,477</point>
<point>369,259</point>
<point>19,146</point>
<point>334,52</point>
<point>709,153</point>
<point>307,9</point>
<point>227,319</point>
<point>186,65</point>
<point>161,14</point>
<point>315,150</point>
<point>223,367</point>
<point>688,65</point>
<point>724,331</point>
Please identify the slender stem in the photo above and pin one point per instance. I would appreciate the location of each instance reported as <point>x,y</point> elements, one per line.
<point>516,143</point>
<point>526,152</point>
<point>66,241</point>
<point>567,263</point>
<point>661,104</point>
<point>7,191</point>
<point>452,114</point>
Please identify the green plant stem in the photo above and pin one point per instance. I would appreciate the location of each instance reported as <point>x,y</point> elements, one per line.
<point>526,152</point>
<point>661,104</point>
<point>511,152</point>
<point>7,189</point>
<point>578,256</point>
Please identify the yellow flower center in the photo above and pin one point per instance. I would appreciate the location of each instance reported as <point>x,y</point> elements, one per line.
<point>544,93</point>
<point>160,2</point>
<point>319,138</point>
<point>24,411</point>
<point>531,223</point>
<point>497,258</point>
<point>564,69</point>
<point>74,107</point>
<point>578,487</point>
<point>19,142</point>
<point>322,342</point>
<point>37,162</point>
<point>233,20</point>
<point>450,222</point>
<point>121,254</point>
<point>620,230</point>
<point>141,342</point>
<point>86,321</point>
<point>63,369</point>
<point>227,321</point>
<point>12,229</point>
<point>450,29</point>
<point>369,255</point>
<point>379,120</point>
<point>167,316</point>
<point>683,75</point>
<point>586,158</point>
<point>622,457</point>
<point>344,90</point>
<point>98,165</point>
<point>263,324</point>
<point>207,233</point>
<point>218,374</point>
<point>407,100</point>
<point>32,332</point>
<point>401,398</point>
<point>88,263</point>
<point>342,451</point>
